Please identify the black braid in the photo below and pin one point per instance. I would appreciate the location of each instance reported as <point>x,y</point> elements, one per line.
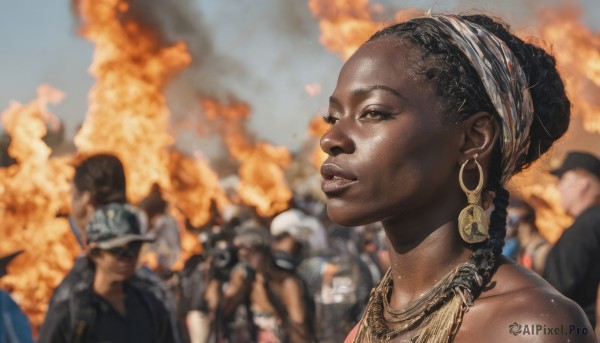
<point>486,256</point>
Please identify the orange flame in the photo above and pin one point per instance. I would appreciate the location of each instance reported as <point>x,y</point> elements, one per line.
<point>128,115</point>
<point>263,184</point>
<point>344,24</point>
<point>193,186</point>
<point>262,179</point>
<point>128,112</point>
<point>539,189</point>
<point>577,50</point>
<point>32,193</point>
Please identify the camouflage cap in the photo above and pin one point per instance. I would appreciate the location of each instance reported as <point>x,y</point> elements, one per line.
<point>114,225</point>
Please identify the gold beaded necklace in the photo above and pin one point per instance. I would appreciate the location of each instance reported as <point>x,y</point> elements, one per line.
<point>434,317</point>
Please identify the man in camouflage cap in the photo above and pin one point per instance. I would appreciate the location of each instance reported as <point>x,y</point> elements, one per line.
<point>110,308</point>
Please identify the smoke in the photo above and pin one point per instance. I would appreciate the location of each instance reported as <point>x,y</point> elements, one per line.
<point>180,20</point>
<point>263,54</point>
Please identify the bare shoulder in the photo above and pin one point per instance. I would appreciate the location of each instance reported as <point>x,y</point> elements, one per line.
<point>291,282</point>
<point>519,306</point>
<point>287,284</point>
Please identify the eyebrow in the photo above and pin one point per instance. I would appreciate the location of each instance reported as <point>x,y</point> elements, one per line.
<point>368,90</point>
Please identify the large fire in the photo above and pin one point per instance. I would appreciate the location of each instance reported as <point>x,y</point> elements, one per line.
<point>33,192</point>
<point>577,50</point>
<point>262,179</point>
<point>346,24</point>
<point>128,116</point>
<point>127,113</point>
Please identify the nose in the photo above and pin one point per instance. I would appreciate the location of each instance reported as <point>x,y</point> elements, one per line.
<point>336,141</point>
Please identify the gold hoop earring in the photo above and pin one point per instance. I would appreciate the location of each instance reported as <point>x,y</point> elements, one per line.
<point>473,223</point>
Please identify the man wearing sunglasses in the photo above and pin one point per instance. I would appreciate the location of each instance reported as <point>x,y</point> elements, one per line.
<point>110,308</point>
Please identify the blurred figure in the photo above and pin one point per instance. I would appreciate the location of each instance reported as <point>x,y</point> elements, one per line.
<point>100,180</point>
<point>110,308</point>
<point>162,226</point>
<point>511,241</point>
<point>598,313</point>
<point>373,250</point>
<point>573,265</point>
<point>340,282</point>
<point>274,300</point>
<point>202,280</point>
<point>194,305</point>
<point>14,325</point>
<point>533,247</point>
<point>304,229</point>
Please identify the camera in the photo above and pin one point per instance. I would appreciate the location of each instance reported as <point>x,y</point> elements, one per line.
<point>224,255</point>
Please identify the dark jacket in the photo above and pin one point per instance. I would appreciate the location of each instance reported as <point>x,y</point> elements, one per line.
<point>87,318</point>
<point>573,264</point>
<point>81,276</point>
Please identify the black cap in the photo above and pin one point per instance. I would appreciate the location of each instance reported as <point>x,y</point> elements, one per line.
<point>579,160</point>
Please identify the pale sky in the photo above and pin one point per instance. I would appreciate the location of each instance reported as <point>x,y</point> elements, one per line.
<point>273,43</point>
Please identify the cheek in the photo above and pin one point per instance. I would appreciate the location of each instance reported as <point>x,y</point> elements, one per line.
<point>77,206</point>
<point>101,262</point>
<point>391,170</point>
<point>411,168</point>
<point>565,191</point>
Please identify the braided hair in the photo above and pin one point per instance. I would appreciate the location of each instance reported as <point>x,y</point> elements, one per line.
<point>463,94</point>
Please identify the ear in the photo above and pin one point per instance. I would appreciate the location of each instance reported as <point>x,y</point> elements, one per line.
<point>88,204</point>
<point>93,253</point>
<point>86,198</point>
<point>480,133</point>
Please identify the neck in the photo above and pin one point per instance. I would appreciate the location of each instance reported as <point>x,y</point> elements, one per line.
<point>421,257</point>
<point>107,287</point>
<point>583,204</point>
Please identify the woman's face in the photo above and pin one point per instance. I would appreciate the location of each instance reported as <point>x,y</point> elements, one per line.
<point>390,152</point>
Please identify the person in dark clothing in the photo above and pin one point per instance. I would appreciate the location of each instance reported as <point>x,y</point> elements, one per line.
<point>573,264</point>
<point>100,180</point>
<point>110,308</point>
<point>274,300</point>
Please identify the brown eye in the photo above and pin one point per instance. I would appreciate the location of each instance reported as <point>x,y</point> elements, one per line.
<point>376,115</point>
<point>329,119</point>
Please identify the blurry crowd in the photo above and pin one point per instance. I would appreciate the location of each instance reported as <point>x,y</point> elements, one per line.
<point>295,277</point>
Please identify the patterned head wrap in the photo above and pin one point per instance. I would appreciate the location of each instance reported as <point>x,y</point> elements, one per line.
<point>504,81</point>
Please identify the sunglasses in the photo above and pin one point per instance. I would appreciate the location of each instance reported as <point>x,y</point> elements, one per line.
<point>128,251</point>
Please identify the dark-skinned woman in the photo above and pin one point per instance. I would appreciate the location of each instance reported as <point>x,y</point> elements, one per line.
<point>429,120</point>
